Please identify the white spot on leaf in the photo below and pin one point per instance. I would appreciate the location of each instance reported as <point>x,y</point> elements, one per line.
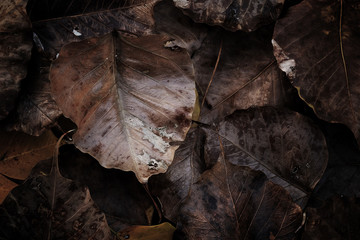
<point>156,140</point>
<point>182,3</point>
<point>286,64</point>
<point>76,33</point>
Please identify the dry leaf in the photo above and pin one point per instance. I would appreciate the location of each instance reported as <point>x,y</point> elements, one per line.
<point>49,206</point>
<point>233,202</point>
<point>323,66</point>
<point>174,186</point>
<point>285,145</point>
<point>130,98</point>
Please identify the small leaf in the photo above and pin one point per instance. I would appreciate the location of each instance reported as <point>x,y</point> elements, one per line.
<point>232,202</point>
<point>285,145</point>
<point>130,99</point>
<point>163,231</point>
<point>232,15</point>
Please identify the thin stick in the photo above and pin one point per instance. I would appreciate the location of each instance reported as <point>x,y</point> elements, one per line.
<point>344,62</point>
<point>152,199</point>
<point>213,74</point>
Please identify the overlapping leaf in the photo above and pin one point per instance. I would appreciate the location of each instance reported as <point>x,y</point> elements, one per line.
<point>232,14</point>
<point>285,145</point>
<point>233,202</point>
<point>130,98</point>
<point>246,74</point>
<point>49,206</point>
<point>36,109</point>
<point>174,186</point>
<point>124,200</point>
<point>15,51</point>
<point>59,23</point>
<point>19,153</point>
<point>316,44</point>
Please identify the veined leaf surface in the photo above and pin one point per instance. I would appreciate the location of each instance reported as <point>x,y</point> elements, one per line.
<point>129,97</point>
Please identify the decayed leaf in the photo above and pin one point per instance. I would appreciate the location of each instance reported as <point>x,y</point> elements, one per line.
<point>232,14</point>
<point>49,206</point>
<point>124,200</point>
<point>20,152</point>
<point>185,33</point>
<point>337,219</point>
<point>162,231</point>
<point>285,145</point>
<point>129,97</point>
<point>15,51</point>
<point>323,66</point>
<point>246,74</point>
<point>58,23</point>
<point>233,202</point>
<point>174,186</point>
<point>36,110</point>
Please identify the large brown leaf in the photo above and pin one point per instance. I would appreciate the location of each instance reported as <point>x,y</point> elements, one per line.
<point>338,218</point>
<point>174,186</point>
<point>233,202</point>
<point>323,66</point>
<point>15,51</point>
<point>129,97</point>
<point>58,23</point>
<point>232,14</point>
<point>36,109</point>
<point>246,74</point>
<point>283,144</point>
<point>49,206</point>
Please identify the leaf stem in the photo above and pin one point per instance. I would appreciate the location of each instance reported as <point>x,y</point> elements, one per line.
<point>213,73</point>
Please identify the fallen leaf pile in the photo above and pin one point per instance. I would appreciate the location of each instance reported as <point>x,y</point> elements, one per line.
<point>193,119</point>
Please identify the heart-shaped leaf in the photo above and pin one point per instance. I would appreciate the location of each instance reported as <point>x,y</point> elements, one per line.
<point>232,15</point>
<point>233,202</point>
<point>130,98</point>
<point>316,44</point>
<point>285,145</point>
